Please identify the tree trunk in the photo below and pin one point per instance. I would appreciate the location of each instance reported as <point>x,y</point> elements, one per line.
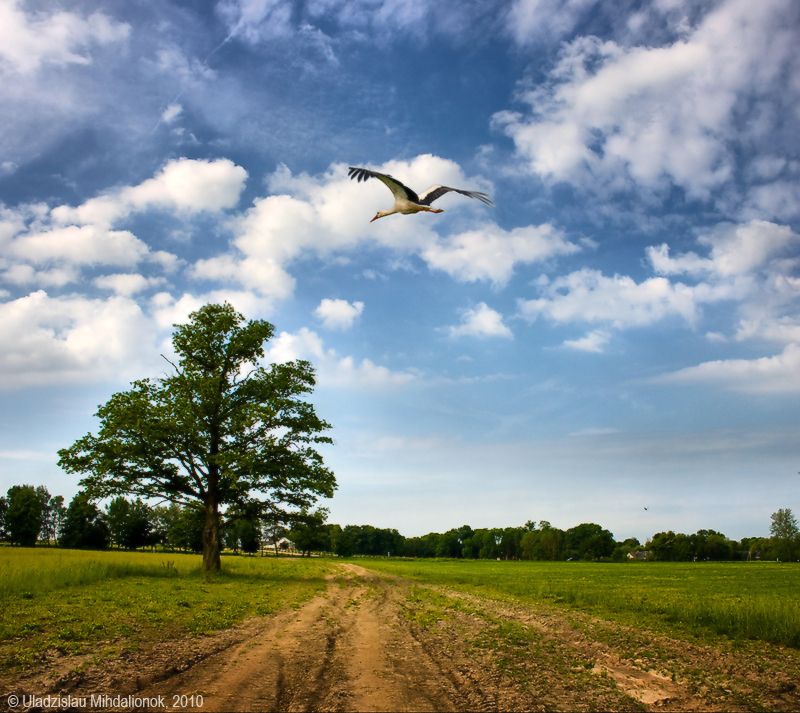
<point>211,558</point>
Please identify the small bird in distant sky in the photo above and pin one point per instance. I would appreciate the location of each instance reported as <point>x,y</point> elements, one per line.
<point>407,201</point>
<point>645,508</point>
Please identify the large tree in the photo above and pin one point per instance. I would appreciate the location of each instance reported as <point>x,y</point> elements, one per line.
<point>221,429</point>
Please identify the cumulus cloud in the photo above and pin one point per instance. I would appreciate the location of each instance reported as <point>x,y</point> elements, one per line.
<point>777,374</point>
<point>30,39</point>
<point>610,116</point>
<point>619,301</point>
<point>127,284</point>
<point>47,340</point>
<point>80,245</point>
<point>481,321</point>
<point>595,341</point>
<point>490,253</point>
<point>733,250</point>
<point>43,246</point>
<point>338,314</point>
<point>183,185</point>
<point>334,370</point>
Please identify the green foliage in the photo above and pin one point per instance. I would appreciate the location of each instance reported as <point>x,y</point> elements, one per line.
<point>368,540</point>
<point>785,535</point>
<point>222,430</point>
<point>24,515</point>
<point>185,528</point>
<point>84,525</point>
<point>130,523</point>
<point>3,511</point>
<point>310,533</point>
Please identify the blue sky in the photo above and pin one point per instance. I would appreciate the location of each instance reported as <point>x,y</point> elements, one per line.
<point>621,331</point>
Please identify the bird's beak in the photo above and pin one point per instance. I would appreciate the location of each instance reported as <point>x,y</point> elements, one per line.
<point>375,218</point>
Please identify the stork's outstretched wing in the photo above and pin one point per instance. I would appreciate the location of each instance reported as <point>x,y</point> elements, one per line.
<point>435,192</point>
<point>399,190</point>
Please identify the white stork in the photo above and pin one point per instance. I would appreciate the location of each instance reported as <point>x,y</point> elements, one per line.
<point>405,200</point>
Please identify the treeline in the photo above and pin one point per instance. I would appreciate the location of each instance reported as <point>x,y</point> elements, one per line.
<point>542,541</point>
<point>30,514</point>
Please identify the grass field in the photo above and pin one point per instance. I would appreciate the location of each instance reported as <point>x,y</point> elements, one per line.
<point>56,602</point>
<point>740,600</point>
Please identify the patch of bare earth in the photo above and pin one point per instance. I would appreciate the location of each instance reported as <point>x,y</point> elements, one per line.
<point>657,671</point>
<point>372,642</point>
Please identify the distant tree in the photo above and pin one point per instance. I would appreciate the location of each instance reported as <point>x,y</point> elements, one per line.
<point>219,431</point>
<point>186,530</point>
<point>509,547</point>
<point>710,545</point>
<point>243,527</point>
<point>161,519</point>
<point>785,534</point>
<point>130,523</point>
<point>588,541</point>
<point>54,518</point>
<point>310,533</point>
<point>3,511</point>
<point>24,515</point>
<point>670,547</point>
<point>84,525</point>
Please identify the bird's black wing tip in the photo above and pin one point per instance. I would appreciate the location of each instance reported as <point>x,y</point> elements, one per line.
<point>359,174</point>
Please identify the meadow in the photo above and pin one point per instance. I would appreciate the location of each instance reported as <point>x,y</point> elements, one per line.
<point>739,600</point>
<point>58,602</point>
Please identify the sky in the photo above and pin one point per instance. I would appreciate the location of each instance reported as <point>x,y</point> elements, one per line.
<point>620,332</point>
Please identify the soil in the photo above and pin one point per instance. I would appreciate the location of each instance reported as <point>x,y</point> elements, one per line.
<point>372,642</point>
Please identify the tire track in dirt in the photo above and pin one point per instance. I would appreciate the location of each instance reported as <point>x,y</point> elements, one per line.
<point>681,676</point>
<point>345,650</point>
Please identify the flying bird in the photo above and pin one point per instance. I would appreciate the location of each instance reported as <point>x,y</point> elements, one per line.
<point>407,201</point>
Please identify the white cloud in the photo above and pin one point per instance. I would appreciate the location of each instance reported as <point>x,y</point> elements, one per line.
<point>80,245</point>
<point>334,370</point>
<point>491,253</point>
<point>530,21</point>
<point>338,314</point>
<point>60,239</point>
<point>733,250</point>
<point>609,116</point>
<point>182,185</point>
<point>595,341</point>
<point>171,113</point>
<point>47,340</point>
<point>29,40</point>
<point>619,301</point>
<point>127,284</point>
<point>481,321</point>
<point>777,374</point>
<point>23,274</point>
<point>257,20</point>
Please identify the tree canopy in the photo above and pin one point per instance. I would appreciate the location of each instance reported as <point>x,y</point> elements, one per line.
<point>221,429</point>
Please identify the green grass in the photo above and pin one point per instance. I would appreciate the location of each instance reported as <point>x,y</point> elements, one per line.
<point>740,600</point>
<point>58,602</point>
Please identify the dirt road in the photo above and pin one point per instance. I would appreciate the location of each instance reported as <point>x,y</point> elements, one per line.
<point>347,650</point>
<point>372,642</point>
